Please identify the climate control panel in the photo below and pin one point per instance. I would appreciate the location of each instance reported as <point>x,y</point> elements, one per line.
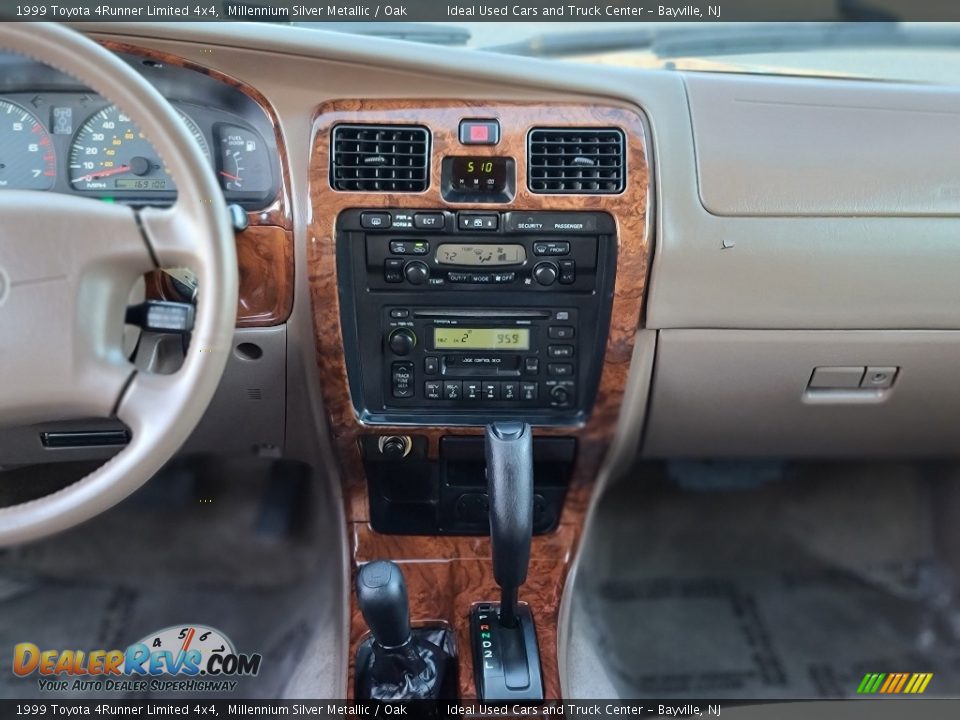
<point>449,317</point>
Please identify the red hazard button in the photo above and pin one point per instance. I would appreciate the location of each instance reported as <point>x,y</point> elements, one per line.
<point>479,132</point>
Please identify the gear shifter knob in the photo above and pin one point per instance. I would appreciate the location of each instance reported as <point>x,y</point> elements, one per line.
<point>382,596</point>
<point>509,454</point>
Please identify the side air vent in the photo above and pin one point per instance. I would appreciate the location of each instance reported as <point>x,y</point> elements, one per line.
<point>380,158</point>
<point>575,160</point>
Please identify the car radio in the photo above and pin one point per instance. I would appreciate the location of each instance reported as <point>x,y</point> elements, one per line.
<point>454,317</point>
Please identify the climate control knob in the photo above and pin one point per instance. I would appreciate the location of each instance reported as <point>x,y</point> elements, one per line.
<point>416,272</point>
<point>402,341</point>
<point>545,273</point>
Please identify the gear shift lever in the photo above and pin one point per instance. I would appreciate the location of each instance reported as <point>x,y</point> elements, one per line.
<point>506,658</point>
<point>509,454</point>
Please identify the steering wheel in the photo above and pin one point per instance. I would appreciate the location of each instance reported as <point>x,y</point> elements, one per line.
<point>67,266</point>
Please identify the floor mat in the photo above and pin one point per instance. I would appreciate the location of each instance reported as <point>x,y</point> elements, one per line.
<point>183,551</point>
<point>791,590</point>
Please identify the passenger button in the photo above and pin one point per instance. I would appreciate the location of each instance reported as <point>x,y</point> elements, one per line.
<point>375,220</point>
<point>428,221</point>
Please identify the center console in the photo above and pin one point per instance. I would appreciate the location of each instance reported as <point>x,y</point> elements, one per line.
<point>454,317</point>
<point>473,263</point>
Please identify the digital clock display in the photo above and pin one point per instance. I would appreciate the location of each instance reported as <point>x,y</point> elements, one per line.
<point>481,338</point>
<point>479,174</point>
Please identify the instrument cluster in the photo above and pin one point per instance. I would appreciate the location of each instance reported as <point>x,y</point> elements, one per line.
<point>80,143</point>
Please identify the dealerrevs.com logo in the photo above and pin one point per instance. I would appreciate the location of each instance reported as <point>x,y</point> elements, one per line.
<point>180,658</point>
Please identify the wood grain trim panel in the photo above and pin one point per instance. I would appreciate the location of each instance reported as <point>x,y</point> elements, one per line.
<point>446,575</point>
<point>265,248</point>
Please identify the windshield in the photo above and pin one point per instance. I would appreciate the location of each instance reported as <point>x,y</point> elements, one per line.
<point>900,51</point>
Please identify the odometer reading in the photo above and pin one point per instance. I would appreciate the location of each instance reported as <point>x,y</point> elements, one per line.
<point>111,154</point>
<point>481,338</point>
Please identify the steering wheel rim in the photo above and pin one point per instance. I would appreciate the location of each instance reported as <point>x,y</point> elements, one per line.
<point>58,249</point>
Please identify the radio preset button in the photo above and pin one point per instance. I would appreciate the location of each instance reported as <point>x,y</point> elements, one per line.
<point>476,221</point>
<point>409,247</point>
<point>393,270</point>
<point>559,369</point>
<point>491,390</point>
<point>402,379</point>
<point>416,272</point>
<point>528,391</point>
<point>561,332</point>
<point>428,221</point>
<point>433,389</point>
<point>555,247</point>
<point>509,391</point>
<point>560,351</point>
<point>472,390</point>
<point>452,389</point>
<point>375,220</point>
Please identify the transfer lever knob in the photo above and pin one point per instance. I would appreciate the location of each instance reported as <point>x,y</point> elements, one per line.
<point>382,596</point>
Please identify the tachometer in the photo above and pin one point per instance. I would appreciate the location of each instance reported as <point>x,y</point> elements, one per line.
<point>110,154</point>
<point>27,159</point>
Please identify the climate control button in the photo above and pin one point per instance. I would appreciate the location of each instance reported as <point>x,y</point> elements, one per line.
<point>545,273</point>
<point>416,272</point>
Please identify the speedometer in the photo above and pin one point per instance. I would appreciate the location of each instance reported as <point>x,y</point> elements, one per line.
<point>27,159</point>
<point>110,154</point>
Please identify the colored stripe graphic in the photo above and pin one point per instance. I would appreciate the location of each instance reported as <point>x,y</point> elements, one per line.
<point>894,683</point>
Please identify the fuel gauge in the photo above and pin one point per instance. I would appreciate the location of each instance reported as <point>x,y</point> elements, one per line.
<point>243,164</point>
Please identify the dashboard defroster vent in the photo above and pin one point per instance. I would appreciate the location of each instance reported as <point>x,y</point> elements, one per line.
<point>575,160</point>
<point>380,158</point>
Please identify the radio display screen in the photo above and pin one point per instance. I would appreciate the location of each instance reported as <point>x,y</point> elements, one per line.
<point>462,254</point>
<point>479,174</point>
<point>481,338</point>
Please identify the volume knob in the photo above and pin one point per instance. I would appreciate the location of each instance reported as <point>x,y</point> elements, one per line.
<point>545,273</point>
<point>402,341</point>
<point>416,272</point>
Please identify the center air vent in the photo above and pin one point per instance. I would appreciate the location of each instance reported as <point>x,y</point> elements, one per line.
<point>380,158</point>
<point>575,160</point>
